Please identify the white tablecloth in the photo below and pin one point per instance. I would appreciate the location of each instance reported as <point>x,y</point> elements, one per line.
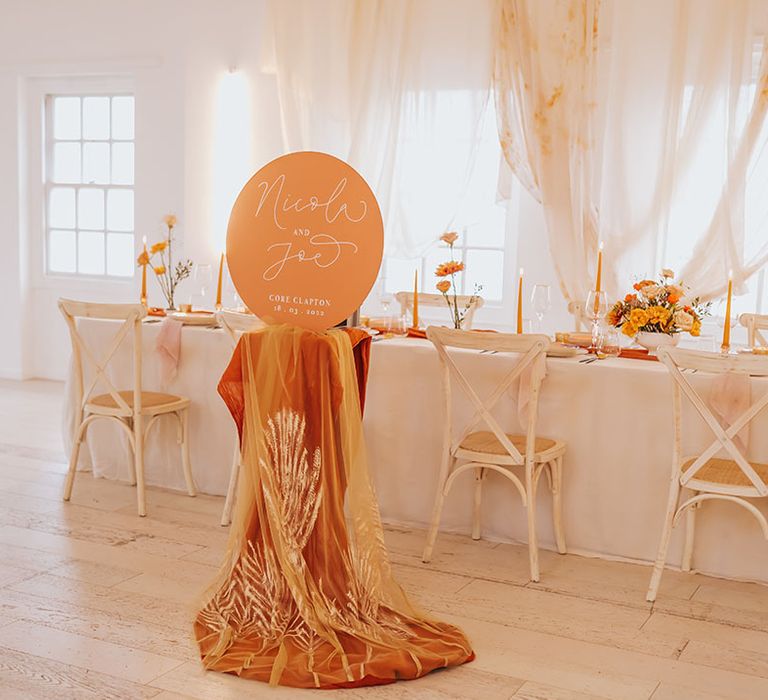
<point>615,416</point>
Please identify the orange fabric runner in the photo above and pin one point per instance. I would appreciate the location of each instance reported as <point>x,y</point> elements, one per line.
<point>306,597</point>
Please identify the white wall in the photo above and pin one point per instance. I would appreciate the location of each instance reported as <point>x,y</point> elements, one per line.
<point>176,51</point>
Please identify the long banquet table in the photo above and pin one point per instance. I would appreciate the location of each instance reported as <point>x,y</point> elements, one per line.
<point>615,416</point>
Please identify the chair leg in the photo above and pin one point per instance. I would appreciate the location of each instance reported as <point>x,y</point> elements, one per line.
<point>138,457</point>
<point>437,508</point>
<point>533,545</point>
<point>234,472</point>
<point>185,452</point>
<point>690,529</point>
<point>666,534</point>
<point>74,456</point>
<point>556,471</point>
<point>132,460</point>
<point>478,501</point>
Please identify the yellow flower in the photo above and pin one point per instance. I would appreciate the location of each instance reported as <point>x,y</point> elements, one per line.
<point>450,237</point>
<point>696,327</point>
<point>443,286</point>
<point>638,317</point>
<point>143,258</point>
<point>169,220</point>
<point>658,314</point>
<point>449,268</point>
<point>158,247</point>
<point>160,269</point>
<point>628,329</point>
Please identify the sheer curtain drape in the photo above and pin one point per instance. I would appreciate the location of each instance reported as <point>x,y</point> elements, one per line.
<point>395,87</point>
<point>642,125</point>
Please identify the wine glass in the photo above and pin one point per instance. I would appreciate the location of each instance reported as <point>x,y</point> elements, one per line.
<point>541,300</point>
<point>610,344</point>
<point>203,279</point>
<point>596,307</point>
<point>385,299</point>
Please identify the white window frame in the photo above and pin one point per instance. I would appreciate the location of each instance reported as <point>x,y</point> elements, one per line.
<point>34,125</point>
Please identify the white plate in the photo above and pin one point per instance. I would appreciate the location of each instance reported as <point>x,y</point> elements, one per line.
<point>194,318</point>
<point>560,350</point>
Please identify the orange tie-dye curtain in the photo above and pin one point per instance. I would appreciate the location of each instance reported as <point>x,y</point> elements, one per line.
<point>641,124</point>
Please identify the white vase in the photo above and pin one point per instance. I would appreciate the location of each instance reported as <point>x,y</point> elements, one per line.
<point>653,341</point>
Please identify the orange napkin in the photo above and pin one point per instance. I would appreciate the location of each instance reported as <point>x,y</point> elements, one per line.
<point>417,333</point>
<point>638,354</point>
<point>155,311</point>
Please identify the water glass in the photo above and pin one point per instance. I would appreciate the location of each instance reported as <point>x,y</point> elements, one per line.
<point>541,300</point>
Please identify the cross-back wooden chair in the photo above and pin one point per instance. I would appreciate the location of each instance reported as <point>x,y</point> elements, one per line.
<point>492,449</point>
<point>580,320</point>
<point>754,323</point>
<point>128,409</point>
<point>235,324</point>
<point>405,299</point>
<point>706,475</point>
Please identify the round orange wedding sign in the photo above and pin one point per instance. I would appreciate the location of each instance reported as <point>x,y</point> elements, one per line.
<point>305,240</point>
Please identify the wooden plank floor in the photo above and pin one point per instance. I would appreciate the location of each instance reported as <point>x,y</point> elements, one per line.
<point>97,603</point>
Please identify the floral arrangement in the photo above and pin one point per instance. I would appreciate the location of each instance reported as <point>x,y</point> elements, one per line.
<point>451,269</point>
<point>167,276</point>
<point>658,306</point>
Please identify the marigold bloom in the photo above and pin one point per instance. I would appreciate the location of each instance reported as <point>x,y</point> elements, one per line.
<point>443,286</point>
<point>628,329</point>
<point>169,220</point>
<point>666,273</point>
<point>143,258</point>
<point>449,268</point>
<point>160,269</point>
<point>638,317</point>
<point>158,247</point>
<point>658,314</point>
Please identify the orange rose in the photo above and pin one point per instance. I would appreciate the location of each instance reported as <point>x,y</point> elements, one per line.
<point>630,297</point>
<point>443,286</point>
<point>673,298</point>
<point>450,238</point>
<point>449,268</point>
<point>641,284</point>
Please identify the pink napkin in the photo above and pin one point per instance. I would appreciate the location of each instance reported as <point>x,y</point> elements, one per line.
<point>168,346</point>
<point>729,397</point>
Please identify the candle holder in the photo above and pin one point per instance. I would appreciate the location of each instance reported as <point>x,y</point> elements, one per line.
<point>596,307</point>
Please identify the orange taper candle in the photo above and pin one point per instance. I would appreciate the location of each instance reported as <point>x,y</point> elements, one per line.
<point>520,302</point>
<point>144,275</point>
<point>599,278</point>
<point>218,286</point>
<point>416,299</point>
<point>727,325</point>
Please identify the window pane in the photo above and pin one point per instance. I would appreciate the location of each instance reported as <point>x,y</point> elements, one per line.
<point>66,162</point>
<point>120,254</point>
<point>400,276</point>
<point>485,267</point>
<point>95,117</point>
<point>122,118</point>
<point>122,163</point>
<point>61,251</point>
<point>66,118</point>
<point>90,253</point>
<point>61,208</point>
<point>90,209</point>
<point>120,210</point>
<point>96,163</point>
